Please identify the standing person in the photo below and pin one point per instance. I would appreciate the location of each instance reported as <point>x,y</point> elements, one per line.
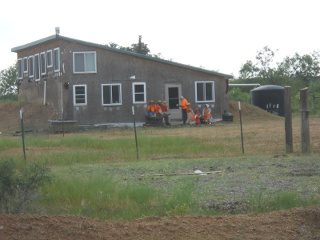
<point>190,114</point>
<point>183,107</point>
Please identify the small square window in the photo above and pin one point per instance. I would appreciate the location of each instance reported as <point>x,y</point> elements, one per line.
<point>111,94</point>
<point>139,92</point>
<point>204,91</point>
<point>79,95</point>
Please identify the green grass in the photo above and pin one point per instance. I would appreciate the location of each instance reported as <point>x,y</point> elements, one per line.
<point>98,175</point>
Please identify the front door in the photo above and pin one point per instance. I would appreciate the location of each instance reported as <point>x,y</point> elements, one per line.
<point>173,93</point>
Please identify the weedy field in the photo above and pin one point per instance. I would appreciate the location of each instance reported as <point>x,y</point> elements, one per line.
<point>175,171</point>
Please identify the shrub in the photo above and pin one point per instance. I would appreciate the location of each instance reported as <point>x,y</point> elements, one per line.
<point>19,188</point>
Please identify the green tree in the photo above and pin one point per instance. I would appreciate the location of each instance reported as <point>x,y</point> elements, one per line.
<point>305,68</point>
<point>139,47</point>
<point>8,82</point>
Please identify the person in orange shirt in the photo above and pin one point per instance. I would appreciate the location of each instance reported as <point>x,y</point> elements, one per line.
<point>206,113</point>
<point>183,107</point>
<point>190,114</point>
<point>164,109</point>
<point>151,109</point>
<point>159,109</point>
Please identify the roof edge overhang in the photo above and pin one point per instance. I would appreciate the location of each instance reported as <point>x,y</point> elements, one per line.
<point>59,37</point>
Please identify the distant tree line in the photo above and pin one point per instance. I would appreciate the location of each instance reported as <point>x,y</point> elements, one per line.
<point>299,71</point>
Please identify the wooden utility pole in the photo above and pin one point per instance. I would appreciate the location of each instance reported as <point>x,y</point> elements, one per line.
<point>304,113</point>
<point>288,119</point>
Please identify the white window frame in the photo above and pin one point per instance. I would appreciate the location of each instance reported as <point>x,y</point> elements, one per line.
<point>120,94</point>
<point>25,64</point>
<point>134,93</point>
<point>31,68</point>
<point>56,59</point>
<point>36,65</point>
<point>20,68</point>
<point>75,95</point>
<point>84,53</point>
<point>204,92</point>
<point>49,59</point>
<point>43,65</point>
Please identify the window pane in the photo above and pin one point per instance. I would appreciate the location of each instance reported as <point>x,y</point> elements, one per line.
<point>79,62</point>
<point>90,62</point>
<point>200,96</point>
<point>139,88</point>
<point>56,60</point>
<point>115,94</point>
<point>209,91</point>
<point>25,64</point>
<point>37,67</point>
<point>31,66</point>
<point>43,63</point>
<point>139,97</point>
<point>19,68</point>
<point>49,58</point>
<point>106,94</point>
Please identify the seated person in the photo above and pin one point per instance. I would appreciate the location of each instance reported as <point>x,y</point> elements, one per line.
<point>206,114</point>
<point>151,111</point>
<point>164,110</point>
<point>197,116</point>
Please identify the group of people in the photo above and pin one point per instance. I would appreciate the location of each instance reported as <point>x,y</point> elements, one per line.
<point>200,117</point>
<point>159,110</point>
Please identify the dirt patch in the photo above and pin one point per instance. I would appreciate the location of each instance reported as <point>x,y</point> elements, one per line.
<point>35,116</point>
<point>299,223</point>
<point>250,112</point>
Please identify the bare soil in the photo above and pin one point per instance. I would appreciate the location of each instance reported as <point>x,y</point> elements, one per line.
<point>298,223</point>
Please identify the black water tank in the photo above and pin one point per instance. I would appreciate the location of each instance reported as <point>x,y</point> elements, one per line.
<point>269,98</point>
<point>227,117</point>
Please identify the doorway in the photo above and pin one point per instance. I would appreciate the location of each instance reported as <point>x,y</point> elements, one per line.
<point>172,95</point>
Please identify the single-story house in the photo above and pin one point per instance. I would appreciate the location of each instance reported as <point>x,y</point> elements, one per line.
<point>96,84</point>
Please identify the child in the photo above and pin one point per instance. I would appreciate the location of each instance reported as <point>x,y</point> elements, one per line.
<point>197,116</point>
<point>190,114</point>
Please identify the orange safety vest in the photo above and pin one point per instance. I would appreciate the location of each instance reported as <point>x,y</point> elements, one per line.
<point>151,108</point>
<point>164,108</point>
<point>157,109</point>
<point>184,104</point>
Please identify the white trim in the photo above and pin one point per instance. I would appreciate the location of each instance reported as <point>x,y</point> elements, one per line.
<point>84,59</point>
<point>56,61</point>
<point>25,60</point>
<point>29,67</point>
<point>144,92</point>
<point>74,95</point>
<point>205,100</point>
<point>51,60</point>
<point>20,68</point>
<point>120,94</point>
<point>43,66</point>
<point>36,67</point>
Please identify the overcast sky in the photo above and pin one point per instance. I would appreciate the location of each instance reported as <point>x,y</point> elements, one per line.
<point>217,35</point>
